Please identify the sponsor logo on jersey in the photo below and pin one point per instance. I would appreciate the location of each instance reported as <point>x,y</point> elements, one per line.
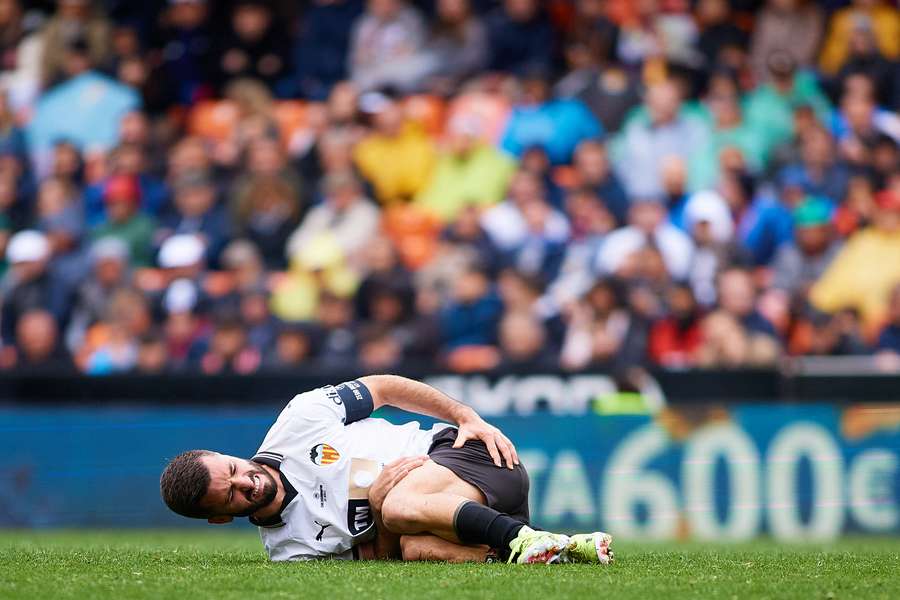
<point>323,454</point>
<point>359,516</point>
<point>333,395</point>
<point>323,526</point>
<point>321,495</point>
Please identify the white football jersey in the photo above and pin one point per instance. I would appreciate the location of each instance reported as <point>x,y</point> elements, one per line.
<point>329,451</point>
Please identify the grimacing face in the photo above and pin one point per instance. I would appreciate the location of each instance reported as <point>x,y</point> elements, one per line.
<point>237,487</point>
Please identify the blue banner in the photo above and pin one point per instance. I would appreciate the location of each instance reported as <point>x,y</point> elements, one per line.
<point>724,473</point>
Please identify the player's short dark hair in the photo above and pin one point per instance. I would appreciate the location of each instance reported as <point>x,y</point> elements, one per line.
<point>184,483</point>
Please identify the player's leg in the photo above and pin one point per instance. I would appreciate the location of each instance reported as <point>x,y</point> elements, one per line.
<point>433,548</point>
<point>426,500</point>
<point>461,496</point>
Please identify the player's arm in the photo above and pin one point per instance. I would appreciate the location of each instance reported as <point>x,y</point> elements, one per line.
<point>417,397</point>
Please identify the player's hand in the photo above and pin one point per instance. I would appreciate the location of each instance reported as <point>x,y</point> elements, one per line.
<point>390,476</point>
<point>498,445</point>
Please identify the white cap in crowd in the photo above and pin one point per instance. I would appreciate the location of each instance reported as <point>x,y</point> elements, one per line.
<point>27,246</point>
<point>182,250</point>
<point>180,297</point>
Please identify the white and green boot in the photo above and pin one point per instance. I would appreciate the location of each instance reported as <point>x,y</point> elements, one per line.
<point>532,546</point>
<point>589,548</point>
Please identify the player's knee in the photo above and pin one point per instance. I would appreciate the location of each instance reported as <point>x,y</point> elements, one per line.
<point>396,514</point>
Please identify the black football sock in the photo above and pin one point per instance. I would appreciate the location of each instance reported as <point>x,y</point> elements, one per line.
<point>477,524</point>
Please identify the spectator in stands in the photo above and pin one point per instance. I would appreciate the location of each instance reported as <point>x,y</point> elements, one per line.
<point>469,172</point>
<point>792,25</point>
<point>293,348</point>
<point>268,213</point>
<point>881,19</point>
<point>152,358</point>
<point>124,221</point>
<point>719,34</point>
<point>675,338</point>
<point>889,337</point>
<point>799,264</point>
<point>397,158</point>
<point>851,281</point>
<point>591,224</point>
<point>508,224</point>
<point>657,35</point>
<point>60,218</point>
<point>821,334</point>
<point>457,47</point>
<point>763,222</point>
<point>255,45</point>
<point>523,344</point>
<point>727,344</point>
<point>520,36</point>
<point>471,318</point>
<point>185,41</point>
<point>12,137</point>
<point>257,320</point>
<point>462,243</point>
<point>708,221</point>
<point>593,171</point>
<point>320,270</point>
<point>186,330</point>
<point>336,343</point>
<point>737,295</point>
<point>385,44</point>
<point>19,54</point>
<point>557,126</point>
<point>321,49</point>
<point>230,351</point>
<point>601,332</point>
<point>38,349</point>
<point>860,124</point>
<point>110,345</point>
<point>345,212</point>
<point>770,106</point>
<point>28,284</point>
<point>607,90</point>
<point>196,212</point>
<point>819,173</point>
<point>730,132</point>
<point>865,60</point>
<point>118,352</point>
<point>109,258</point>
<point>126,160</point>
<point>75,22</point>
<point>648,226</point>
<point>660,132</point>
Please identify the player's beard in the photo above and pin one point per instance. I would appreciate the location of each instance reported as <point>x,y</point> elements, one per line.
<point>269,491</point>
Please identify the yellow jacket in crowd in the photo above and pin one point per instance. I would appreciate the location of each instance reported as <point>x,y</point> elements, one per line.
<point>480,178</point>
<point>861,276</point>
<point>884,21</point>
<point>397,167</point>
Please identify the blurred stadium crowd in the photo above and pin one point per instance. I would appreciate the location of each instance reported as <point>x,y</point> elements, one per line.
<point>232,187</point>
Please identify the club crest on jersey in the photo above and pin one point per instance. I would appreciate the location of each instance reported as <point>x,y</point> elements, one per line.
<point>323,454</point>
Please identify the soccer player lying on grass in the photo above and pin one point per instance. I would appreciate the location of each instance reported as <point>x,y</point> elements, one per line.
<point>329,481</point>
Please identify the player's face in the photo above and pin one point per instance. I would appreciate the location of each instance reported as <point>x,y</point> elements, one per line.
<point>237,487</point>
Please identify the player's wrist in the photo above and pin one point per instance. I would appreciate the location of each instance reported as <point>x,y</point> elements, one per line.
<point>463,414</point>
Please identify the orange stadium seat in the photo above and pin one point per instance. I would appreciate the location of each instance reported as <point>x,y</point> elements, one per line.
<point>429,111</point>
<point>414,233</point>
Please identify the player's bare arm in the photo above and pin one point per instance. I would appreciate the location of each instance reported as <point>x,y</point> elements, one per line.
<point>417,397</point>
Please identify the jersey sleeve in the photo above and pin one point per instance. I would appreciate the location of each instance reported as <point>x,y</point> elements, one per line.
<point>311,414</point>
<point>345,403</point>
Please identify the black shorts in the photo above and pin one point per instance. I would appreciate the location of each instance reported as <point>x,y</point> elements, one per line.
<point>506,490</point>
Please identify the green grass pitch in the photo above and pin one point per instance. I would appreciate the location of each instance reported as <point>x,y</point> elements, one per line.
<point>222,565</point>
